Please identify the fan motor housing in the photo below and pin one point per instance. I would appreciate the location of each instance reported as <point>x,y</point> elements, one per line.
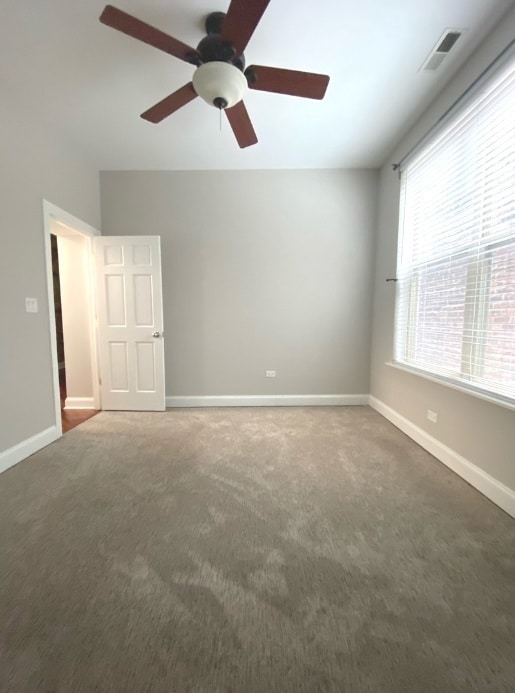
<point>212,48</point>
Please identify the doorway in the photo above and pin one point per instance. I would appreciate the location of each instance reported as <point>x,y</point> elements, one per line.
<point>68,243</point>
<point>70,416</point>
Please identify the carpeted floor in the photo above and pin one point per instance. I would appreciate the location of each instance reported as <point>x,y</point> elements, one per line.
<point>251,550</point>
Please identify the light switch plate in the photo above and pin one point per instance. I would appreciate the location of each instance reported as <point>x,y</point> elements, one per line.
<point>31,305</point>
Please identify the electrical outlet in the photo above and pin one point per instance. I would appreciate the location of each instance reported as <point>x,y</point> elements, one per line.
<point>270,374</point>
<point>432,416</point>
<point>31,305</point>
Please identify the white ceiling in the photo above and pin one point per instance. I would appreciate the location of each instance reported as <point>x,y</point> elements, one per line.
<point>90,83</point>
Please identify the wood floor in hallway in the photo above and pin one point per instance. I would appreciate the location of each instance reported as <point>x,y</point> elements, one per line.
<point>71,417</point>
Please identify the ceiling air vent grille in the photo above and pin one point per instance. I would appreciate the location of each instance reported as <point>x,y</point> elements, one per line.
<point>448,41</point>
<point>441,49</point>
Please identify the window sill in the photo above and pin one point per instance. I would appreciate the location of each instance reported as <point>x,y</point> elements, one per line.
<point>440,380</point>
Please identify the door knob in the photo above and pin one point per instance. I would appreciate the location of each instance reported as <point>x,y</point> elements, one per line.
<point>156,334</point>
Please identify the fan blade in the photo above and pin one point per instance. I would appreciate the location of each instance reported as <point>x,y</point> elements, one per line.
<point>307,84</point>
<point>126,23</point>
<point>242,18</point>
<point>241,125</point>
<point>171,104</point>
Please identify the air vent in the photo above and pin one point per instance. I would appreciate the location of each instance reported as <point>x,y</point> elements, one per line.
<point>448,41</point>
<point>441,50</point>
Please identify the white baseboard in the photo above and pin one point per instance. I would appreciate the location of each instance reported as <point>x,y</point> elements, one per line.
<point>267,401</point>
<point>79,403</point>
<point>19,452</point>
<point>493,489</point>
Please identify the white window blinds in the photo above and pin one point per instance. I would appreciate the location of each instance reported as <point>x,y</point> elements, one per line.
<point>455,309</point>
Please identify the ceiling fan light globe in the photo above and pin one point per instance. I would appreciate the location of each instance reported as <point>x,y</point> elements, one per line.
<point>220,82</point>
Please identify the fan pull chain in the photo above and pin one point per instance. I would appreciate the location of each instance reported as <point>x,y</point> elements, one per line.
<point>220,119</point>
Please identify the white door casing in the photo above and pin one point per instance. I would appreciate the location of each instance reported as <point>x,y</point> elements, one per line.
<point>130,322</point>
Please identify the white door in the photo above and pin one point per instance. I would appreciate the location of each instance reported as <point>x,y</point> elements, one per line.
<point>130,322</point>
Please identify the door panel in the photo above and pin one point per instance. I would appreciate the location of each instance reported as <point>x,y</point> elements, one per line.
<point>143,306</point>
<point>130,322</point>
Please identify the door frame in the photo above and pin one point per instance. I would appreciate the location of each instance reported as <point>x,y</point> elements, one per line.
<point>51,214</point>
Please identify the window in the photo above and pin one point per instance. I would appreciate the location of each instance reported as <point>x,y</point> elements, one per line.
<point>455,309</point>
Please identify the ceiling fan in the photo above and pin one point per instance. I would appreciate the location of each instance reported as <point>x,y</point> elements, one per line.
<point>220,77</point>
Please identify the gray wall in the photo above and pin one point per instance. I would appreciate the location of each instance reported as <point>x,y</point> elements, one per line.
<point>261,270</point>
<point>34,165</point>
<point>482,432</point>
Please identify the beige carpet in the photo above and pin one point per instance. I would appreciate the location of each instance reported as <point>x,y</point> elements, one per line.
<point>251,550</point>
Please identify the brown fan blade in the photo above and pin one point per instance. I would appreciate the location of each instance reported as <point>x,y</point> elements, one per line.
<point>242,18</point>
<point>126,23</point>
<point>241,125</point>
<point>307,84</point>
<point>171,104</point>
